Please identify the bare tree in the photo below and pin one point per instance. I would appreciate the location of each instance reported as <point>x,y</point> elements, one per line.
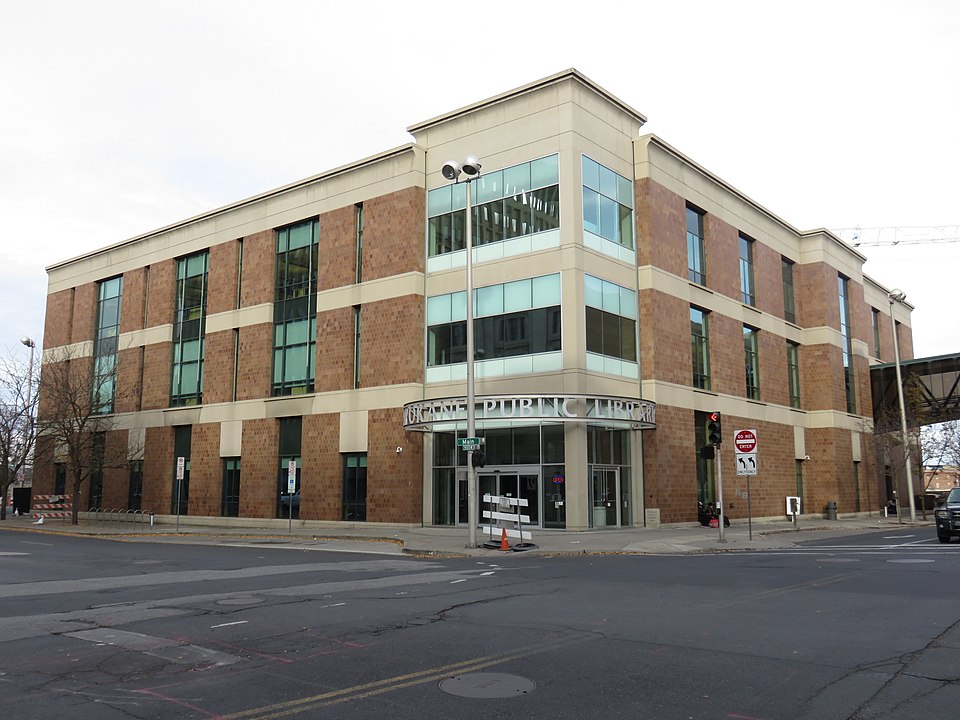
<point>78,395</point>
<point>17,404</point>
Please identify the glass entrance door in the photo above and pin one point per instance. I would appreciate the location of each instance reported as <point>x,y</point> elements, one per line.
<point>512,482</point>
<point>605,501</point>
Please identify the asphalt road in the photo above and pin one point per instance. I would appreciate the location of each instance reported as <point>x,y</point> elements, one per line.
<point>860,627</point>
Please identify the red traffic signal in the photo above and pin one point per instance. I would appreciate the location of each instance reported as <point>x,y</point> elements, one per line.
<point>714,430</point>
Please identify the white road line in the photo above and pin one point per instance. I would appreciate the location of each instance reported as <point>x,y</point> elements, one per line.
<point>13,553</point>
<point>238,622</point>
<point>489,572</point>
<point>454,582</point>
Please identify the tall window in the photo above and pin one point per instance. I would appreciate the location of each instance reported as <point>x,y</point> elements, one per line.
<point>848,376</point>
<point>180,496</point>
<point>516,201</point>
<point>516,318</point>
<point>230,493</point>
<point>696,265</point>
<point>607,203</point>
<point>287,451</point>
<point>700,348</point>
<point>752,361</point>
<point>747,286</point>
<point>60,479</point>
<point>356,346</point>
<point>294,309</point>
<point>611,321</point>
<point>705,467</point>
<point>359,219</point>
<point>135,491</point>
<point>355,486</point>
<point>875,319</point>
<point>789,306</point>
<point>793,374</point>
<point>105,345</point>
<point>188,330</point>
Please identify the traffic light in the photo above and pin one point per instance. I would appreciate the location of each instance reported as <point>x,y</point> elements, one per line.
<point>478,459</point>
<point>714,435</point>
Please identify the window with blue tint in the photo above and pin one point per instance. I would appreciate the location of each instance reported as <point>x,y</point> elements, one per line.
<point>700,347</point>
<point>513,202</point>
<point>607,203</point>
<point>696,264</point>
<point>105,345</point>
<point>189,321</point>
<point>516,318</point>
<point>294,309</point>
<point>611,325</point>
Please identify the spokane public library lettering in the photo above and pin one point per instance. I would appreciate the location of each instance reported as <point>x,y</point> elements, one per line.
<point>573,458</point>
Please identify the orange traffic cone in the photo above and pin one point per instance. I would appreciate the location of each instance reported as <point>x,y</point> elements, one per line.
<point>504,545</point>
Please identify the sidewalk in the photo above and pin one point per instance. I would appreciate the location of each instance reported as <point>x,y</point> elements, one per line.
<point>678,539</point>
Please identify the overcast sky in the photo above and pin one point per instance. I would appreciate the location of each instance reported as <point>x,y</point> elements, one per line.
<point>117,118</point>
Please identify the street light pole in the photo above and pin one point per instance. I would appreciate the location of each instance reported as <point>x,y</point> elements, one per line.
<point>30,344</point>
<point>451,171</point>
<point>900,296</point>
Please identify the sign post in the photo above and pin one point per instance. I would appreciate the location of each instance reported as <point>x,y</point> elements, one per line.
<point>181,464</point>
<point>291,490</point>
<point>745,442</point>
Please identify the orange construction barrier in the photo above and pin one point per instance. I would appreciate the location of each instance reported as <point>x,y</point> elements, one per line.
<point>504,545</point>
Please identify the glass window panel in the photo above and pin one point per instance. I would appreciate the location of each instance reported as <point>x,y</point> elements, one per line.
<point>552,443</point>
<point>591,211</point>
<point>109,312</point>
<point>296,363</point>
<point>516,216</point>
<point>593,291</point>
<point>300,235</point>
<point>591,174</point>
<point>458,306</point>
<point>459,199</point>
<point>440,201</point>
<point>488,224</point>
<point>594,326</point>
<point>611,298</point>
<point>628,303</point>
<point>609,218</point>
<point>545,171</point>
<point>624,191</point>
<point>516,179</point>
<point>518,295</point>
<point>191,351</point>
<point>489,300</point>
<point>626,226</point>
<point>488,187</point>
<point>176,378</point>
<point>438,309</point>
<point>197,264</point>
<point>608,183</point>
<point>611,335</point>
<point>545,207</point>
<point>189,378</point>
<point>628,340</point>
<point>526,445</point>
<point>298,332</point>
<point>277,366</point>
<point>110,288</point>
<point>546,290</point>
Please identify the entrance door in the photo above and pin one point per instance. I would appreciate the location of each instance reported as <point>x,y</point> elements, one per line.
<point>512,482</point>
<point>606,497</point>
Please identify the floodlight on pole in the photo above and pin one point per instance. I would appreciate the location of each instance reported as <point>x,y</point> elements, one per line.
<point>452,170</point>
<point>892,297</point>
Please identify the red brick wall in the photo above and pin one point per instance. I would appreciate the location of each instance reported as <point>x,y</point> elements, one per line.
<point>156,375</point>
<point>665,350</point>
<point>661,214</point>
<point>162,288</point>
<point>338,248</point>
<point>722,249</point>
<point>128,390</point>
<point>159,468</point>
<point>222,277</point>
<point>218,363</point>
<point>321,483</point>
<point>133,299</point>
<point>394,480</point>
<point>206,473</point>
<point>335,349</point>
<point>258,468</point>
<point>116,473</point>
<point>84,312</point>
<point>391,341</point>
<point>256,361</point>
<point>259,268</point>
<point>393,233</point>
<point>670,465</point>
<point>58,324</point>
<point>768,278</point>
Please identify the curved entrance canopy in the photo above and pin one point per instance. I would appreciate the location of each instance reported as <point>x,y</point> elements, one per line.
<point>446,413</point>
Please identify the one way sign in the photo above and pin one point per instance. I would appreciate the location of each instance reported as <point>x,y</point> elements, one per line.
<point>747,464</point>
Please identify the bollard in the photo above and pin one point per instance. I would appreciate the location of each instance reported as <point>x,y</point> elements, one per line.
<point>151,519</point>
<point>832,510</point>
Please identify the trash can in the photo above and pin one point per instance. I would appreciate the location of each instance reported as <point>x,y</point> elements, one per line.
<point>831,513</point>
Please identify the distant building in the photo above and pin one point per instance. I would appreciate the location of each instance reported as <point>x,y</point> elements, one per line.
<point>941,478</point>
<point>623,292</point>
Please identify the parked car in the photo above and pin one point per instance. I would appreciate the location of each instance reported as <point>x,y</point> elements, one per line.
<point>947,515</point>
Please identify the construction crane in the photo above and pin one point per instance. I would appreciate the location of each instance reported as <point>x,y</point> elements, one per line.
<point>905,235</point>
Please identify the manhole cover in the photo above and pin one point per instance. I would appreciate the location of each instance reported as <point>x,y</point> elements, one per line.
<point>487,685</point>
<point>241,601</point>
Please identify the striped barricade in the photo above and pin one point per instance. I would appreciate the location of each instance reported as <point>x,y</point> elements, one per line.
<point>52,506</point>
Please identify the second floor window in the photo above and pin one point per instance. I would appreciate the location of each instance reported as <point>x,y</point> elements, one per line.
<point>700,348</point>
<point>105,346</point>
<point>190,313</point>
<point>793,373</point>
<point>789,305</point>
<point>751,361</point>
<point>295,309</point>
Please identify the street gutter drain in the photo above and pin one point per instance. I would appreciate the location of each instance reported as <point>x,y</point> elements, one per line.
<point>487,685</point>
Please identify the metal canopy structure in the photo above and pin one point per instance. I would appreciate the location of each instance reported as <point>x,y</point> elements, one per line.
<point>931,387</point>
